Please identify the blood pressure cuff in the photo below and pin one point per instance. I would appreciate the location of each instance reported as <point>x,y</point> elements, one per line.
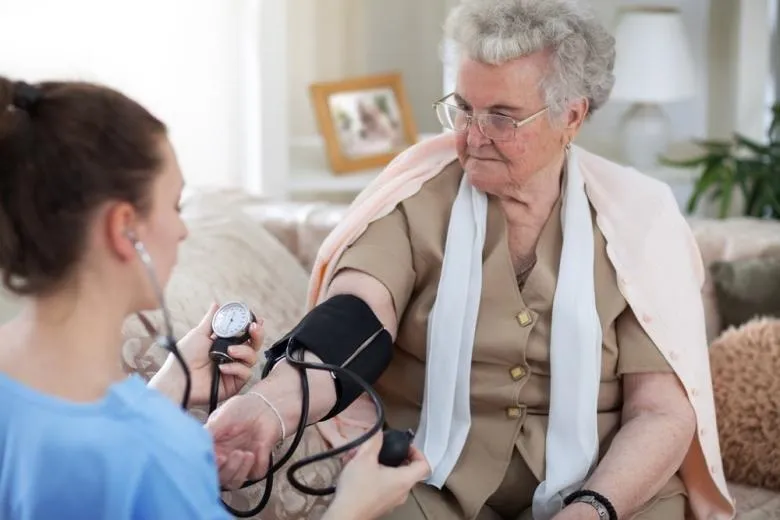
<point>342,331</point>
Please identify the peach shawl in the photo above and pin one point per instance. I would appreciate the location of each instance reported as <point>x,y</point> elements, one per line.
<point>660,273</point>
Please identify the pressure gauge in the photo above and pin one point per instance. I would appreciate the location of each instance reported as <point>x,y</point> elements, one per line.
<point>232,320</point>
<point>231,326</point>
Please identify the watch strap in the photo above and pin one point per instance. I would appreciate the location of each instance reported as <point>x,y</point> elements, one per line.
<point>599,502</point>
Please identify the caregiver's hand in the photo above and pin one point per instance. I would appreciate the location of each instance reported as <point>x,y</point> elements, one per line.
<point>194,348</point>
<point>367,490</point>
<point>247,423</point>
<point>245,431</point>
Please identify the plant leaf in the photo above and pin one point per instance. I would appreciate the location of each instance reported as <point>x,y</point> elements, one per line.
<point>706,180</point>
<point>742,178</point>
<point>751,145</point>
<point>774,203</point>
<point>684,163</point>
<point>727,190</point>
<point>774,128</point>
<point>753,198</point>
<point>716,146</point>
<point>740,164</point>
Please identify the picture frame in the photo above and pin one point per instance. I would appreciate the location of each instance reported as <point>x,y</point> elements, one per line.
<point>364,121</point>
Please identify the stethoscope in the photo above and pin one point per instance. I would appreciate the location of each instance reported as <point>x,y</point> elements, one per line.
<point>395,446</point>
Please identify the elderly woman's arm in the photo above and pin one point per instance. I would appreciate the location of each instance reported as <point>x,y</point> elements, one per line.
<point>378,269</point>
<point>657,430</point>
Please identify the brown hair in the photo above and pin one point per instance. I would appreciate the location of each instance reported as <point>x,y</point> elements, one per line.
<point>65,149</point>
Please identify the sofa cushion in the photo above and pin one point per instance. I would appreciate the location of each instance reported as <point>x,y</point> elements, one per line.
<point>745,362</point>
<point>747,288</point>
<point>726,240</point>
<point>754,503</point>
<point>226,257</point>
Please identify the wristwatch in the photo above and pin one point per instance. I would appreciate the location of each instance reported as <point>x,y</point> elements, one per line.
<point>231,327</point>
<point>596,504</point>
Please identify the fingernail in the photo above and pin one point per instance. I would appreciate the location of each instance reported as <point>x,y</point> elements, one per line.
<point>253,327</point>
<point>232,350</point>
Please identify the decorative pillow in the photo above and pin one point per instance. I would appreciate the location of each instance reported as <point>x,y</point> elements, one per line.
<point>745,362</point>
<point>747,288</point>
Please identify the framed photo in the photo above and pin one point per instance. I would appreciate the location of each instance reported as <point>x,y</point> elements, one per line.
<point>365,121</point>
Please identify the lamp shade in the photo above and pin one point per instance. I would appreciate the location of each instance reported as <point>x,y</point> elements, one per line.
<point>653,62</point>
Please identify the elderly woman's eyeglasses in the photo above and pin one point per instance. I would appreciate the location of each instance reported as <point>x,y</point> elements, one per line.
<point>493,126</point>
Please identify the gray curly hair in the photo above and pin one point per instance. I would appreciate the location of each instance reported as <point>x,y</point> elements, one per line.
<point>582,52</point>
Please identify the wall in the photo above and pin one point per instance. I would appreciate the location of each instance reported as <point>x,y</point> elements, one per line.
<point>753,68</point>
<point>335,39</point>
<point>740,45</point>
<point>413,50</point>
<point>355,37</point>
<point>184,64</point>
<point>314,39</point>
<point>687,118</point>
<point>729,43</point>
<point>774,8</point>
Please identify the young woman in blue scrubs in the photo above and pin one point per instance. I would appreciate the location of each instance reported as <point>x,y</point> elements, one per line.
<point>86,175</point>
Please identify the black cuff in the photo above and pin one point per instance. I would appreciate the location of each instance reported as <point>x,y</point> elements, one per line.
<point>342,331</point>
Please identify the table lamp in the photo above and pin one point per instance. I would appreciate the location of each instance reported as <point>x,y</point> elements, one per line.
<point>653,65</point>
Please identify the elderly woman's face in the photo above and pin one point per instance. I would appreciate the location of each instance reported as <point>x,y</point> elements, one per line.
<point>512,89</point>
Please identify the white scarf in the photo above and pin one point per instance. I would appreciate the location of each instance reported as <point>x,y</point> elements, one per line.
<point>575,347</point>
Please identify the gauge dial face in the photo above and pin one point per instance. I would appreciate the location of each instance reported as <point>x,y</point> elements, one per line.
<point>231,320</point>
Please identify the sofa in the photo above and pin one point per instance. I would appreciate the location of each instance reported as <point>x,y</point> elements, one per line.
<point>260,251</point>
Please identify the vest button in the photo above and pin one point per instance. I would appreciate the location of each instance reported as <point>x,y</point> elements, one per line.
<point>517,373</point>
<point>524,318</point>
<point>513,412</point>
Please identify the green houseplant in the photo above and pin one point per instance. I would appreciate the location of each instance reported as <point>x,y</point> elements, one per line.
<point>739,164</point>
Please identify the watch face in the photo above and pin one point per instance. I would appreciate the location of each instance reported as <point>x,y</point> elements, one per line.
<point>231,320</point>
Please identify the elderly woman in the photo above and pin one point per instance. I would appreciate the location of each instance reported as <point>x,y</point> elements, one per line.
<point>543,303</point>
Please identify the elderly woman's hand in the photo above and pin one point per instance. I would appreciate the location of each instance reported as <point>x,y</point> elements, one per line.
<point>658,425</point>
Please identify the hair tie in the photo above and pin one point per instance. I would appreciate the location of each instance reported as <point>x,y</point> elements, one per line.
<point>26,96</point>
